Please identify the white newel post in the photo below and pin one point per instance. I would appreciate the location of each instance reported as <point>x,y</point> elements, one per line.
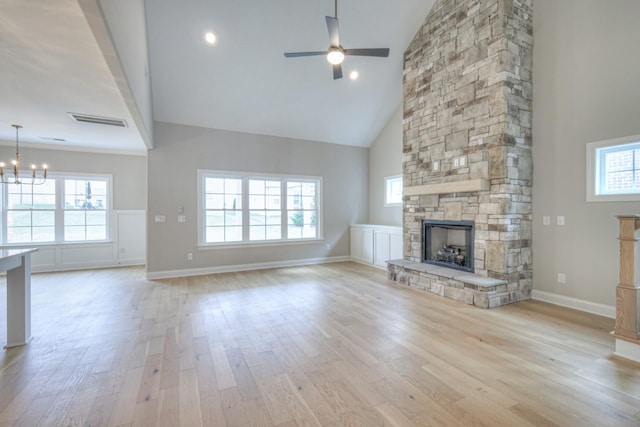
<point>627,332</point>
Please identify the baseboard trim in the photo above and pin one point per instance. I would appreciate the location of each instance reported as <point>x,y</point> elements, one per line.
<point>170,274</point>
<point>577,304</point>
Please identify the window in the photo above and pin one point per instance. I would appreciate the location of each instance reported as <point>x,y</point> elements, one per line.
<point>31,213</point>
<point>63,209</point>
<point>85,209</point>
<point>393,190</point>
<point>613,170</point>
<point>245,208</point>
<point>223,209</point>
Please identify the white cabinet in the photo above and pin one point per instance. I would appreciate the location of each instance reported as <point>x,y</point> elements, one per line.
<point>375,244</point>
<point>362,244</point>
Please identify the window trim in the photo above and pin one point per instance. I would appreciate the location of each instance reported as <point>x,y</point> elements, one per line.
<point>594,173</point>
<point>245,176</point>
<point>387,179</point>
<point>59,212</point>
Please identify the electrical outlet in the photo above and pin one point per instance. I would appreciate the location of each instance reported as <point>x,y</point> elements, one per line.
<point>546,220</point>
<point>562,278</point>
<point>160,218</point>
<point>436,165</point>
<point>189,256</point>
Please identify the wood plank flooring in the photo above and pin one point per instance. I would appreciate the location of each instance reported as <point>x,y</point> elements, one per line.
<point>327,345</point>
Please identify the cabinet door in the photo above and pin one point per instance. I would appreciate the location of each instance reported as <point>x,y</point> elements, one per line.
<point>381,248</point>
<point>362,244</point>
<point>356,244</point>
<point>395,245</point>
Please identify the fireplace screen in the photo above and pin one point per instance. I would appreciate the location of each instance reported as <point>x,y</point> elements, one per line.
<point>448,244</point>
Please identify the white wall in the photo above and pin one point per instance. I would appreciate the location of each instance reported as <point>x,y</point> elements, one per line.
<point>179,151</point>
<point>586,88</point>
<point>385,159</point>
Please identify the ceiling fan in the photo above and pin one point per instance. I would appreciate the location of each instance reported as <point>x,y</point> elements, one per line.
<point>336,53</point>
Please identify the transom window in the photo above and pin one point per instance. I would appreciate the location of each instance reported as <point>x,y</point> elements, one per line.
<point>613,170</point>
<point>244,208</point>
<point>63,209</point>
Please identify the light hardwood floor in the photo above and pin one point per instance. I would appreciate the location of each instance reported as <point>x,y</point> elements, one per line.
<point>328,345</point>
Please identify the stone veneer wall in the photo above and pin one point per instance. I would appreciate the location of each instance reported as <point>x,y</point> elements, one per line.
<point>467,108</point>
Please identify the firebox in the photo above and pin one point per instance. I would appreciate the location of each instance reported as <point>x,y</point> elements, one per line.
<point>448,244</point>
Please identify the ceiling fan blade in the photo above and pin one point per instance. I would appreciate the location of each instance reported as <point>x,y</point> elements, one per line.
<point>332,26</point>
<point>383,52</point>
<point>298,54</point>
<point>337,72</point>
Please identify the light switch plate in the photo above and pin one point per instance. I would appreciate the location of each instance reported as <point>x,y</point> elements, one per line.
<point>546,220</point>
<point>560,220</point>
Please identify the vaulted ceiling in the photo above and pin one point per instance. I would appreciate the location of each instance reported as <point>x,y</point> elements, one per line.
<point>59,57</point>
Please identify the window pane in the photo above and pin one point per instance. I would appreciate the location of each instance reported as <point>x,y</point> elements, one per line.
<point>256,233</point>
<point>233,218</point>
<point>96,232</point>
<point>214,201</point>
<point>74,218</point>
<point>256,186</point>
<point>257,218</point>
<point>274,232</point>
<point>233,234</point>
<point>617,181</point>
<point>43,234</point>
<point>309,231</point>
<point>96,218</point>
<point>233,201</point>
<point>294,232</point>
<point>215,218</point>
<point>73,233</point>
<point>214,234</point>
<point>18,219</point>
<point>18,234</point>
<point>214,185</point>
<point>308,202</point>
<point>273,218</point>
<point>85,194</point>
<point>619,161</point>
<point>44,218</point>
<point>233,186</point>
<point>19,201</point>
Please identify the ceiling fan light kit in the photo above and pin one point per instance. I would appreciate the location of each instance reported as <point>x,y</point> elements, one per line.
<point>336,53</point>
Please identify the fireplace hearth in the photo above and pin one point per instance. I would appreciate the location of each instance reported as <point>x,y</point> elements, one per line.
<point>448,244</point>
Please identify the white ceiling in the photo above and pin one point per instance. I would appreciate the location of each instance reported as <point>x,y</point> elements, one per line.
<point>52,65</point>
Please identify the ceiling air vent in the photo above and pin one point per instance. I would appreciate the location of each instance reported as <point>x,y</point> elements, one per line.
<point>85,118</point>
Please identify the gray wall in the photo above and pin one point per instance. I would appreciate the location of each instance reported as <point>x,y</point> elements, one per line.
<point>385,159</point>
<point>586,88</point>
<point>129,172</point>
<point>179,151</point>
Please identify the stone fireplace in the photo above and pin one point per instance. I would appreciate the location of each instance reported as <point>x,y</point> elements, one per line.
<point>467,147</point>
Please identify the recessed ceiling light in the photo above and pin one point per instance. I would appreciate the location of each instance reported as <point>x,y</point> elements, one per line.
<point>210,37</point>
<point>353,75</point>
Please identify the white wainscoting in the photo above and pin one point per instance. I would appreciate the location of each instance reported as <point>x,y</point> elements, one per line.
<point>128,247</point>
<point>375,244</point>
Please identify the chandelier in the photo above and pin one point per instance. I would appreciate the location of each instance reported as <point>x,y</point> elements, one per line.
<point>15,176</point>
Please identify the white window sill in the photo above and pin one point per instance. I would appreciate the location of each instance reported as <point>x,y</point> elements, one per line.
<point>234,245</point>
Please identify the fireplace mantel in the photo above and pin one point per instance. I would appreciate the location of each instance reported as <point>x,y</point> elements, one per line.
<point>467,186</point>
